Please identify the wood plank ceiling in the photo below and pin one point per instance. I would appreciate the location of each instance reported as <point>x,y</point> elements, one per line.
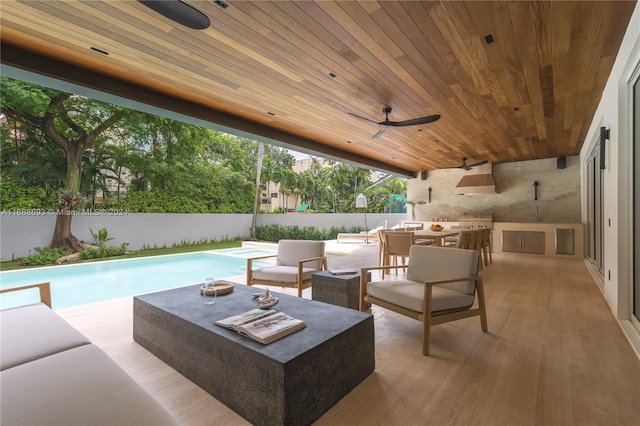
<point>290,71</point>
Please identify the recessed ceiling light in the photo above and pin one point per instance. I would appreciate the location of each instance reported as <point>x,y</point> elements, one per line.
<point>95,49</point>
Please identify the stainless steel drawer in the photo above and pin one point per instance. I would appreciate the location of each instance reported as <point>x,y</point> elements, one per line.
<point>523,242</point>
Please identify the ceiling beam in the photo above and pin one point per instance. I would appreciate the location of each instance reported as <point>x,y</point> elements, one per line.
<point>37,69</point>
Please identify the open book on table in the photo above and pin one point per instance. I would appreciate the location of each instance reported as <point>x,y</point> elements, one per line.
<point>263,326</point>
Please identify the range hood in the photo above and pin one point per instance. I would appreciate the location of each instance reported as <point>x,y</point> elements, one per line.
<point>478,180</point>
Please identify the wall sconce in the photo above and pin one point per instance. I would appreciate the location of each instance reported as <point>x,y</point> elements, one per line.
<point>535,189</point>
<point>429,195</point>
<point>604,135</point>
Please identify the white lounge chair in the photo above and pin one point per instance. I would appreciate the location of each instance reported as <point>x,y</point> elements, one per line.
<point>363,236</point>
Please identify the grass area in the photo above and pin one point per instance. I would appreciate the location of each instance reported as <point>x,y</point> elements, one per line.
<point>10,265</point>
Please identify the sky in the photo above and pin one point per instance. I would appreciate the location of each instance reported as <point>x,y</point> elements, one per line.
<point>298,155</point>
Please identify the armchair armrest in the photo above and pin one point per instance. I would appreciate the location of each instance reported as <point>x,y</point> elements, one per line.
<point>311,259</point>
<point>364,273</point>
<point>428,291</point>
<point>266,256</point>
<point>250,264</point>
<point>44,288</point>
<point>453,280</point>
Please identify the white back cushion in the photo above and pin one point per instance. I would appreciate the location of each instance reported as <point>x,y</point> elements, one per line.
<point>439,263</point>
<point>290,252</point>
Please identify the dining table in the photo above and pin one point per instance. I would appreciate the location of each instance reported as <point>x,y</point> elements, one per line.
<point>437,236</point>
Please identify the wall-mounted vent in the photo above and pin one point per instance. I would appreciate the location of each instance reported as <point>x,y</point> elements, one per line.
<point>478,180</point>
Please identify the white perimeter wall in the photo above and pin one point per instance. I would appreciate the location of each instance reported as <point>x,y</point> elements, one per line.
<point>20,234</point>
<point>614,112</point>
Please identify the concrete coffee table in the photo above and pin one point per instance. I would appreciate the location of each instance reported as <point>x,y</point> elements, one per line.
<point>292,381</point>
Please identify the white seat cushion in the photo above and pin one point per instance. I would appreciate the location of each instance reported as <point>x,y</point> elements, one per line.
<point>34,331</point>
<point>410,295</point>
<point>286,274</point>
<point>81,386</point>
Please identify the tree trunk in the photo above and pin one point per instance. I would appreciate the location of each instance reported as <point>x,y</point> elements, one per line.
<point>256,200</point>
<point>62,236</point>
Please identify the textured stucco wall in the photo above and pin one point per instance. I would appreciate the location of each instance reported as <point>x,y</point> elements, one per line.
<point>558,193</point>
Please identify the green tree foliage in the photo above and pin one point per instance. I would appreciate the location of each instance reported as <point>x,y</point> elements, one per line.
<point>15,196</point>
<point>199,191</point>
<point>98,155</point>
<point>72,123</point>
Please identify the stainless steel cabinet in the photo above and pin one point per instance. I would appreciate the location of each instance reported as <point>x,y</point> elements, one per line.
<point>523,242</point>
<point>564,241</point>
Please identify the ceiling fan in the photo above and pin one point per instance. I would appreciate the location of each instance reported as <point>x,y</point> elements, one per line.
<point>384,125</point>
<point>466,166</point>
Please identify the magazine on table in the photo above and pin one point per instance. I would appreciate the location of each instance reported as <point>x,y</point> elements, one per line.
<point>343,271</point>
<point>262,326</point>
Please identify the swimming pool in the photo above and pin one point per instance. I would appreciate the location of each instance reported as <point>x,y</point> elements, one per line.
<point>73,285</point>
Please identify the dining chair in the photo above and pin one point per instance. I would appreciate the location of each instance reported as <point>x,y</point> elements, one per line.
<point>453,241</point>
<point>381,247</point>
<point>397,246</point>
<point>485,245</point>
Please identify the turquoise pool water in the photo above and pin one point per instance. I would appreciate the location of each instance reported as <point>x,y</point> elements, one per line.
<point>73,285</point>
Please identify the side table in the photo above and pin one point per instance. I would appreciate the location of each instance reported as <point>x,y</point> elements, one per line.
<point>340,290</point>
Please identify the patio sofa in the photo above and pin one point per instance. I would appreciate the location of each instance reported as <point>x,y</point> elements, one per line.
<point>51,374</point>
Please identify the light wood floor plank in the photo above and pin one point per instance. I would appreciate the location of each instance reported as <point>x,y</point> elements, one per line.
<point>554,355</point>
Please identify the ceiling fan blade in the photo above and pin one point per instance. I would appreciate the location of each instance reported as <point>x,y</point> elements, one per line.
<point>464,165</point>
<point>380,132</point>
<point>413,121</point>
<point>384,125</point>
<point>361,118</point>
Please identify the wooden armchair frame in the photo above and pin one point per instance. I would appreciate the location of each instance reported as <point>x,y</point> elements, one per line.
<point>436,318</point>
<point>44,289</point>
<point>300,283</point>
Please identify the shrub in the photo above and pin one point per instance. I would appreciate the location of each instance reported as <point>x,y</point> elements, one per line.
<point>44,256</point>
<point>104,251</point>
<point>279,232</point>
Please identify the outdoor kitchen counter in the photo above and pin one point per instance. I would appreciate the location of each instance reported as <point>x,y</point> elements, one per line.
<point>549,230</point>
